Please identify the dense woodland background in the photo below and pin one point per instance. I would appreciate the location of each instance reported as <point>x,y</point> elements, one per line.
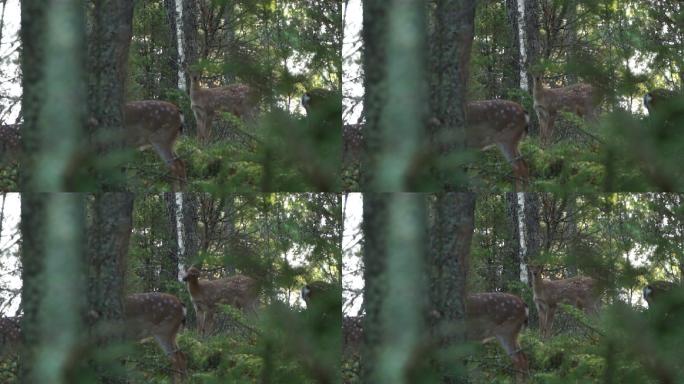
<point>80,64</point>
<point>471,50</point>
<point>448,245</point>
<point>110,245</point>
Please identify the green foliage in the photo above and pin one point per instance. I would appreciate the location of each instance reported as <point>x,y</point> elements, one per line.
<point>9,177</point>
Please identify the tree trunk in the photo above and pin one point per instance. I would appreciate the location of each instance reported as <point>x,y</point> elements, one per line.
<point>450,49</point>
<point>33,229</point>
<point>52,37</point>
<point>62,306</point>
<point>192,240</point>
<point>512,261</point>
<point>110,38</point>
<point>451,238</point>
<point>187,31</point>
<point>375,222</point>
<point>522,236</point>
<point>170,271</point>
<point>174,73</point>
<point>374,33</point>
<point>108,240</point>
<point>514,71</point>
<point>533,233</point>
<point>401,123</point>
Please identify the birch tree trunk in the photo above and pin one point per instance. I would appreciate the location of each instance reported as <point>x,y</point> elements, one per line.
<point>521,236</point>
<point>170,271</point>
<point>512,261</point>
<point>522,44</point>
<point>180,43</point>
<point>180,238</point>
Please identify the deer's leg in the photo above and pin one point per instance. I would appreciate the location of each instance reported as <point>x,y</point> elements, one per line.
<point>200,320</point>
<point>209,119</point>
<point>170,347</point>
<point>550,314</point>
<point>541,311</point>
<point>200,118</point>
<point>208,322</point>
<point>510,344</point>
<point>512,154</point>
<point>175,165</point>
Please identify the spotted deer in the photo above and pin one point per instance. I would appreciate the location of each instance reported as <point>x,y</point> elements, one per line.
<point>238,291</point>
<point>158,315</point>
<point>581,292</point>
<point>237,99</point>
<point>489,315</point>
<point>500,316</point>
<point>10,336</point>
<point>156,124</point>
<point>500,123</point>
<point>580,99</point>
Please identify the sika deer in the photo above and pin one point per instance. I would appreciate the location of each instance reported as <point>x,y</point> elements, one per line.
<point>502,123</point>
<point>237,291</point>
<point>238,99</point>
<point>581,292</point>
<point>580,99</point>
<point>502,316</point>
<point>161,316</point>
<point>156,124</point>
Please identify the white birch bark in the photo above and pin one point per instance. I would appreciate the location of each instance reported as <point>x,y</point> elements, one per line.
<point>523,53</point>
<point>179,233</point>
<point>181,52</point>
<point>521,231</point>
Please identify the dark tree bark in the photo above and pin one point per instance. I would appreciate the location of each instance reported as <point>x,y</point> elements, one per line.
<point>533,233</point>
<point>532,12</point>
<point>512,74</point>
<point>190,35</point>
<point>169,79</point>
<point>108,241</point>
<point>374,34</point>
<point>110,38</point>
<point>33,27</point>
<point>33,229</point>
<point>511,261</point>
<point>190,219</point>
<point>451,42</point>
<point>375,223</point>
<point>451,238</point>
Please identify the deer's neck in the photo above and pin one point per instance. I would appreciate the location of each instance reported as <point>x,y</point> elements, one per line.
<point>538,287</point>
<point>194,288</point>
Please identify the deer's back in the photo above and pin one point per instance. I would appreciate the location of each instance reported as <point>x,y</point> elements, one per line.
<point>151,121</point>
<point>152,313</point>
<point>493,121</point>
<point>492,313</point>
<point>238,291</point>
